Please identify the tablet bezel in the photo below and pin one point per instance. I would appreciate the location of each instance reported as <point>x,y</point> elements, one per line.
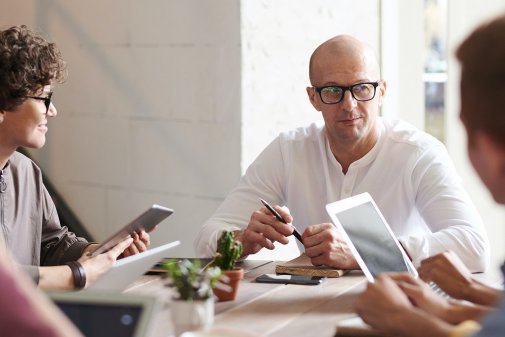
<point>145,221</point>
<point>345,204</point>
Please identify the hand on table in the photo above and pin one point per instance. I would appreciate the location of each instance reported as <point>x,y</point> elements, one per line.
<point>325,246</point>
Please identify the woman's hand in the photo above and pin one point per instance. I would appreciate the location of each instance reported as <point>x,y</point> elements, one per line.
<point>141,241</point>
<point>97,265</point>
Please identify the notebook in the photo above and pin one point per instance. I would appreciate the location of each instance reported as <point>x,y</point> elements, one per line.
<point>302,266</point>
<point>128,269</point>
<point>108,314</point>
<point>369,236</point>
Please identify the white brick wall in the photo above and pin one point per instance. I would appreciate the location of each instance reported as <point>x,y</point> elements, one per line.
<point>150,112</point>
<point>278,38</point>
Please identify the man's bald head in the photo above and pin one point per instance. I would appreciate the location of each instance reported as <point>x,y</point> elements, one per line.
<point>343,47</point>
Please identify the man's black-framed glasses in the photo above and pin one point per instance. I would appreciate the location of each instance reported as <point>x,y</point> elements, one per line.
<point>333,94</point>
<point>47,99</point>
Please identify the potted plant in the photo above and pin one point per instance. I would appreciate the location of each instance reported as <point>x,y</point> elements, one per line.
<point>193,308</point>
<point>227,253</point>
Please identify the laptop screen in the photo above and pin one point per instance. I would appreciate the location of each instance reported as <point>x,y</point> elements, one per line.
<point>99,320</point>
<point>104,314</point>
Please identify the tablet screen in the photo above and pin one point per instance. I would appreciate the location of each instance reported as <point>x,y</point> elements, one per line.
<point>103,320</point>
<point>372,239</point>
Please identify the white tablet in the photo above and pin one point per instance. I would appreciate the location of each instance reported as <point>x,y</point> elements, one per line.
<point>369,236</point>
<point>146,221</point>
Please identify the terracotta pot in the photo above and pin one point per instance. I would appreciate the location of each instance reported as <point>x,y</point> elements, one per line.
<point>234,277</point>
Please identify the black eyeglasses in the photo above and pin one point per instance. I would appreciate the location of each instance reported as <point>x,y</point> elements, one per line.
<point>333,94</point>
<point>47,99</point>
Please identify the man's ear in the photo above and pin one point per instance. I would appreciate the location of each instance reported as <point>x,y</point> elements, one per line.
<point>381,91</point>
<point>493,152</point>
<point>2,115</point>
<point>311,92</point>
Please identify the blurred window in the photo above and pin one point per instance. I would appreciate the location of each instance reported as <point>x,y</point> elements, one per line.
<point>435,66</point>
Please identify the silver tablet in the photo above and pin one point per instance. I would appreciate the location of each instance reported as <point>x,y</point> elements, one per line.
<point>145,221</point>
<point>369,236</point>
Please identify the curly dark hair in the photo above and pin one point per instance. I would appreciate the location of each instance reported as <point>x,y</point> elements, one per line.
<point>28,62</point>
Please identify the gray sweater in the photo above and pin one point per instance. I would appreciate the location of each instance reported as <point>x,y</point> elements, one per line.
<point>29,223</point>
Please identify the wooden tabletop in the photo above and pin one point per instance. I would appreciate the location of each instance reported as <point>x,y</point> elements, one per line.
<point>262,309</point>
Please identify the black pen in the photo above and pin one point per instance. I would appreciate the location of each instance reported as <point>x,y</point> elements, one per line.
<point>281,219</point>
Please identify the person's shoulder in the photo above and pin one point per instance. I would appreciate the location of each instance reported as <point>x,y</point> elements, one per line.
<point>400,131</point>
<point>313,131</point>
<point>17,158</point>
<point>20,162</point>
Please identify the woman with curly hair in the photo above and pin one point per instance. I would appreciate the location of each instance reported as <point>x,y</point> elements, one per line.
<point>30,228</point>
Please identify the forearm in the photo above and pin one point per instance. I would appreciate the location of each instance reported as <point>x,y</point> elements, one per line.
<point>238,236</point>
<point>56,278</point>
<point>227,217</point>
<point>466,242</point>
<point>62,249</point>
<point>449,213</point>
<point>482,294</point>
<point>460,312</point>
<point>415,323</point>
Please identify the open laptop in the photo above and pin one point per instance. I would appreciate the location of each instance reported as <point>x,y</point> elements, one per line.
<point>369,236</point>
<point>128,269</point>
<point>102,314</point>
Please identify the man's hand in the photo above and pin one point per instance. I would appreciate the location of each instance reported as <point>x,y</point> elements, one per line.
<point>264,229</point>
<point>325,246</point>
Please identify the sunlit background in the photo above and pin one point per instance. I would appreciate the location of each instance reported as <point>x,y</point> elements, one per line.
<point>168,101</point>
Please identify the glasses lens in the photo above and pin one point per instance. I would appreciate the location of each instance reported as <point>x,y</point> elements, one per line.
<point>331,94</point>
<point>47,101</point>
<point>363,91</point>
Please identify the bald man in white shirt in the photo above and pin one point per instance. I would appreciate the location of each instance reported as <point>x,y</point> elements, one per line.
<point>407,172</point>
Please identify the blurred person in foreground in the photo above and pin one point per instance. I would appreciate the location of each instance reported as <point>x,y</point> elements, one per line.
<point>25,310</point>
<point>400,305</point>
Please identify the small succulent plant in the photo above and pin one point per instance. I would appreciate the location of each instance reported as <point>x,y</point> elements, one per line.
<point>191,280</point>
<point>228,252</point>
